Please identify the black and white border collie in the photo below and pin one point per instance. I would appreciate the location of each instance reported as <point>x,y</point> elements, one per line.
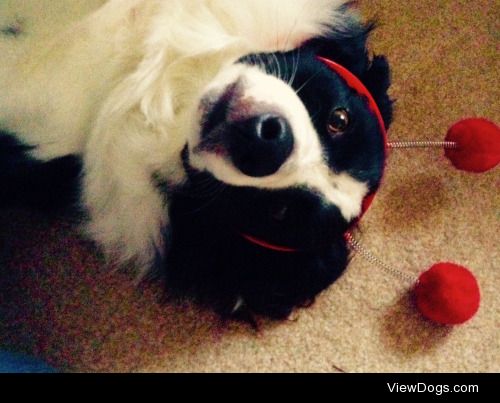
<point>204,138</point>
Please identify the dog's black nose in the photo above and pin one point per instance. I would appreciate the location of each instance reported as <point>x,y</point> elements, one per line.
<point>259,146</point>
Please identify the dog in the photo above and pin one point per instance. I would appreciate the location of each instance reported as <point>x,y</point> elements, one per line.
<point>203,138</point>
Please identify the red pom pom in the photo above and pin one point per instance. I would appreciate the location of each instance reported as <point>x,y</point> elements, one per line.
<point>478,145</point>
<point>447,294</point>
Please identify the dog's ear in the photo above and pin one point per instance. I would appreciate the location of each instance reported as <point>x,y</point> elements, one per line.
<point>348,46</point>
<point>377,78</point>
<point>345,43</point>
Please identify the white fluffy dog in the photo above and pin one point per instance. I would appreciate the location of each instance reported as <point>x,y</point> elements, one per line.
<point>131,85</point>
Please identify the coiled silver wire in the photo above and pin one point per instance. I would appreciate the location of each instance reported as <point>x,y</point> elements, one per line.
<point>423,144</point>
<point>370,257</point>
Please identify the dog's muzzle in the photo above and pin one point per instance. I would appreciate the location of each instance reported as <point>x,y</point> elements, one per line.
<point>255,138</point>
<point>260,145</point>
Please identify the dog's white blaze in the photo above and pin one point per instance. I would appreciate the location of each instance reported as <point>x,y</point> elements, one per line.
<point>343,190</point>
<point>305,167</point>
<point>346,192</point>
<point>264,90</point>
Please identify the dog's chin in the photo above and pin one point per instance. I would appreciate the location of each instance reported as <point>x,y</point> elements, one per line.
<point>294,218</point>
<point>210,261</point>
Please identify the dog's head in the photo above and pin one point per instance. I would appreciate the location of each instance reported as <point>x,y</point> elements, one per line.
<point>285,154</point>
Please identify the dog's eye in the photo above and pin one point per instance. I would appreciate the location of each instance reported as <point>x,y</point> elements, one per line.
<point>338,121</point>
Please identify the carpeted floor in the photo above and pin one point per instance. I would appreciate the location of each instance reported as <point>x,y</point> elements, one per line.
<point>58,300</point>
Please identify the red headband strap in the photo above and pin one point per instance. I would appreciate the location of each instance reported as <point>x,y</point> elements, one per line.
<point>355,83</point>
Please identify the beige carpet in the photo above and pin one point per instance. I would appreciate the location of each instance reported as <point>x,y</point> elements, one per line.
<point>58,300</point>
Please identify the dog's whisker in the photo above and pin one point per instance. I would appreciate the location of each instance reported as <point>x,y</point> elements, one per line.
<point>278,67</point>
<point>261,62</point>
<point>308,81</point>
<point>211,199</point>
<point>287,74</point>
<point>206,187</point>
<point>269,64</point>
<point>295,24</point>
<point>296,68</point>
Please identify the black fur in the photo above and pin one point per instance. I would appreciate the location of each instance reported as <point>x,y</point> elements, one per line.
<point>349,49</point>
<point>210,260</point>
<point>52,186</point>
<point>208,257</point>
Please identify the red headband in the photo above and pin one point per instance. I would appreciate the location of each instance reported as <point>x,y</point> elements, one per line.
<point>353,82</point>
<point>356,84</point>
<point>472,145</point>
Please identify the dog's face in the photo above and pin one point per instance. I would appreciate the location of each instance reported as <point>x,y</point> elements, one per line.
<point>285,153</point>
<point>287,124</point>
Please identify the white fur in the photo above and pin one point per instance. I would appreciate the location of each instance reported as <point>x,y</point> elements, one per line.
<point>121,87</point>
